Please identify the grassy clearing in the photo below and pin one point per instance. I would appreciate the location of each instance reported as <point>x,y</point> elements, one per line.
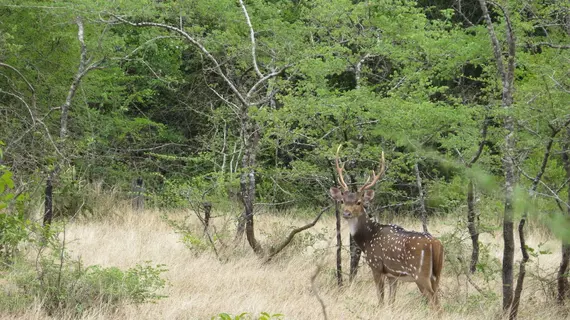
<point>200,285</point>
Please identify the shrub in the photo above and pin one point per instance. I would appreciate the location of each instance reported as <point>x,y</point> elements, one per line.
<point>68,287</point>
<point>13,224</point>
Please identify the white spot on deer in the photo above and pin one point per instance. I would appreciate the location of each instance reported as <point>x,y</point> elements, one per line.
<point>431,260</point>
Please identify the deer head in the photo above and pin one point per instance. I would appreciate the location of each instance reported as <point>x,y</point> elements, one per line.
<point>353,202</point>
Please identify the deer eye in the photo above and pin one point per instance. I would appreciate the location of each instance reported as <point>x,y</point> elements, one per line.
<point>358,202</point>
<point>341,201</point>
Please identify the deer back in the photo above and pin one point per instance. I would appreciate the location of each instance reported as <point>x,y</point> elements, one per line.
<point>396,252</point>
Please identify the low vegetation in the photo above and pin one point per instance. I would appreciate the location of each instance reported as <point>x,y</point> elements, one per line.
<point>106,273</point>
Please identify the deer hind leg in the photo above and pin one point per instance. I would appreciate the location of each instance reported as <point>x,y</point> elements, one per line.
<point>435,286</point>
<point>424,284</point>
<point>393,289</point>
<point>379,281</point>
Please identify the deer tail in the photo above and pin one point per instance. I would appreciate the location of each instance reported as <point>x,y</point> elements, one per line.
<point>437,264</point>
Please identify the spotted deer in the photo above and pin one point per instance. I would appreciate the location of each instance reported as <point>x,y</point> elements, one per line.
<point>390,250</point>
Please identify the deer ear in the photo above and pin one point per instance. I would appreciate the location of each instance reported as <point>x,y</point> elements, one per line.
<point>336,194</point>
<point>368,195</point>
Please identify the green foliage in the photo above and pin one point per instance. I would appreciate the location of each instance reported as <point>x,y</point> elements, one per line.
<point>71,197</point>
<point>13,224</point>
<point>188,235</point>
<point>458,255</point>
<point>411,78</point>
<point>66,286</point>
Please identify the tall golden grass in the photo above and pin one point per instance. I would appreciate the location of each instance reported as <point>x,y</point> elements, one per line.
<point>202,285</point>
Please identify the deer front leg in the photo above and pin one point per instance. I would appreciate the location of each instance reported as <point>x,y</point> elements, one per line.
<point>379,281</point>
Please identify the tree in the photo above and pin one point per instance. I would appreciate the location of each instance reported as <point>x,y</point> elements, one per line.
<point>506,74</point>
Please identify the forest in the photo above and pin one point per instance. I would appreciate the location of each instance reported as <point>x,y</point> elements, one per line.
<point>215,126</point>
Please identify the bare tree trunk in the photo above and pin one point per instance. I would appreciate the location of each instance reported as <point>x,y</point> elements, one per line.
<point>532,193</point>
<point>82,70</point>
<point>138,195</point>
<point>338,246</point>
<point>472,217</point>
<point>207,214</point>
<point>522,269</point>
<point>421,195</point>
<point>355,254</point>
<point>48,201</point>
<point>562,276</point>
<point>240,230</point>
<point>508,233</point>
<point>507,81</point>
<point>355,251</point>
<point>247,178</point>
<point>472,227</point>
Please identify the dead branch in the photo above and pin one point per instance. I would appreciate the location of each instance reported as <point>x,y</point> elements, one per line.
<point>32,90</point>
<point>316,293</point>
<point>274,251</point>
<point>252,37</point>
<point>83,69</point>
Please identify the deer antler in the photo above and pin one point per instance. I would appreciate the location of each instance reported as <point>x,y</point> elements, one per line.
<point>368,184</point>
<point>339,170</point>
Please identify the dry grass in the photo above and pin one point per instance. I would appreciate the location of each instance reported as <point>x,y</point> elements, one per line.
<point>201,286</point>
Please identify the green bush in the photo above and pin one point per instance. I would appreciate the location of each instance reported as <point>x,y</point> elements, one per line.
<point>70,288</point>
<point>13,223</point>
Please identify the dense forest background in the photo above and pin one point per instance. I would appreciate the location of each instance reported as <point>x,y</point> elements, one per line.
<point>247,101</point>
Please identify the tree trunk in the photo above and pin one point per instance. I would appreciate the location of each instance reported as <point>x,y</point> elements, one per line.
<point>472,217</point>
<point>472,223</point>
<point>507,80</point>
<point>422,198</point>
<point>522,269</point>
<point>247,178</point>
<point>532,194</point>
<point>338,246</point>
<point>48,201</point>
<point>138,195</point>
<point>355,253</point>
<point>508,232</point>
<point>207,214</point>
<point>562,276</point>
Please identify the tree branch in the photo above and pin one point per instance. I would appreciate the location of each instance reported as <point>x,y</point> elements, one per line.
<point>551,45</point>
<point>316,293</point>
<point>494,41</point>
<point>554,131</point>
<point>252,37</point>
<point>264,79</point>
<point>21,76</point>
<point>83,69</point>
<point>481,144</point>
<point>195,42</point>
<point>274,251</point>
<point>552,192</point>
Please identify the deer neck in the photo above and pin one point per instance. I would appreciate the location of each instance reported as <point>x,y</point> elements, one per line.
<point>362,230</point>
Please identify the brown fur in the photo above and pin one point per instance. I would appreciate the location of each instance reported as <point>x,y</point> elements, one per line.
<point>391,251</point>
